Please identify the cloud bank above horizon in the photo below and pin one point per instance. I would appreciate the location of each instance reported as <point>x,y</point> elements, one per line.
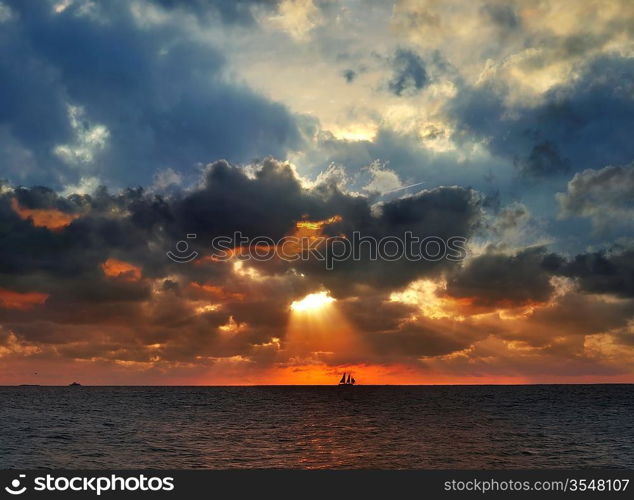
<point>125,126</point>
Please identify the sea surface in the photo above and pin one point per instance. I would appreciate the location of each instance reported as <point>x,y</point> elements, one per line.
<point>385,427</point>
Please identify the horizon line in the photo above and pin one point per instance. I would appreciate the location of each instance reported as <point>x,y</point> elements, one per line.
<point>319,385</point>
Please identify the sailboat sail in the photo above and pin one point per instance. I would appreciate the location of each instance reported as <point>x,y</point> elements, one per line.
<point>346,379</point>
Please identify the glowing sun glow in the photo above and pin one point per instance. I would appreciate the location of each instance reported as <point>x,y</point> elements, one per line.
<point>312,302</point>
<point>317,330</point>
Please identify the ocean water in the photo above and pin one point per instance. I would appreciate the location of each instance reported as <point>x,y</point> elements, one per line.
<point>386,427</point>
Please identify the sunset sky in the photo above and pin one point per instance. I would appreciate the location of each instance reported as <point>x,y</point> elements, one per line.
<point>127,125</point>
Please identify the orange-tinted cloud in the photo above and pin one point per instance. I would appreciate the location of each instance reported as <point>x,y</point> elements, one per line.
<point>50,218</point>
<point>496,318</point>
<point>115,268</point>
<point>21,301</point>
<point>216,291</point>
<point>314,228</point>
<point>297,241</point>
<point>434,301</point>
<point>475,305</point>
<point>305,232</point>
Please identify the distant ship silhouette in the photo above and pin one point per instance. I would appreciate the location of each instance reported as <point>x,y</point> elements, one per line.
<point>349,381</point>
<point>74,384</point>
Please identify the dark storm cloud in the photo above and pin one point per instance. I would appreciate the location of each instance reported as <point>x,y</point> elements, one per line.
<point>41,197</point>
<point>494,279</point>
<point>408,73</point>
<point>580,125</point>
<point>577,315</point>
<point>525,277</point>
<point>376,313</point>
<point>229,201</point>
<point>176,311</point>
<point>423,338</point>
<point>87,241</point>
<point>272,201</point>
<point>598,272</point>
<point>443,213</point>
<point>392,334</point>
<point>158,302</point>
<point>158,92</point>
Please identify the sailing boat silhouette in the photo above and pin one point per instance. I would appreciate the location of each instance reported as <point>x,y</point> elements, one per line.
<point>349,381</point>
